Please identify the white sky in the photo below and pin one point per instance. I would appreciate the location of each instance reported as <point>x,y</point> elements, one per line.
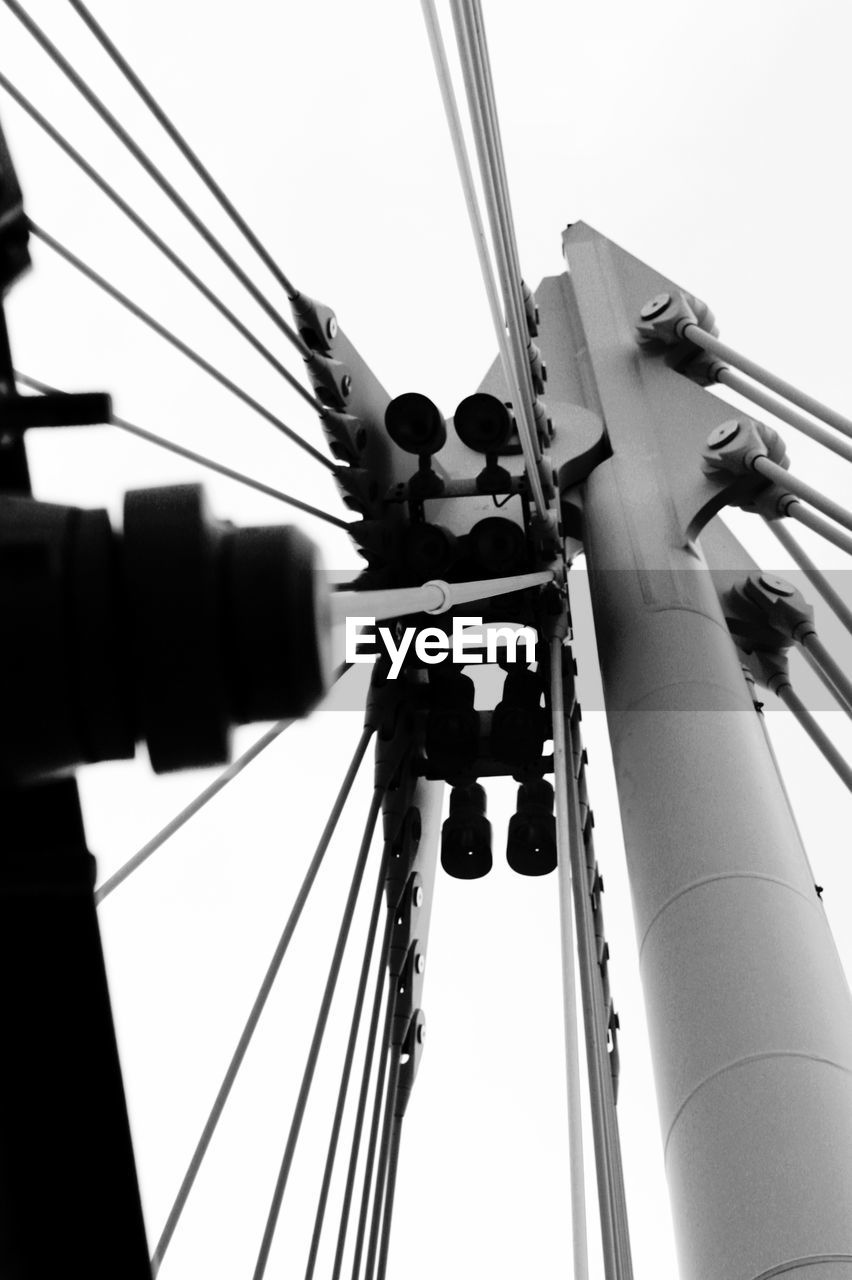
<point>710,141</point>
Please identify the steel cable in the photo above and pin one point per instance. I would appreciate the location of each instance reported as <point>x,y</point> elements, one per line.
<point>319,1032</point>
<point>257,1007</point>
<point>382,981</point>
<point>160,329</point>
<point>154,172</point>
<point>151,235</point>
<point>348,1060</point>
<point>201,460</point>
<point>183,146</point>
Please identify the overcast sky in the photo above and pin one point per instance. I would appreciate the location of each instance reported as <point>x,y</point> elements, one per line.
<point>711,141</point>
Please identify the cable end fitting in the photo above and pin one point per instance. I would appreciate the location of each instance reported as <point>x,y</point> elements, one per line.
<point>735,445</point>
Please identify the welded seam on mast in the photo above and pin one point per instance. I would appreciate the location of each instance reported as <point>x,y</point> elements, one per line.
<point>729,875</point>
<point>770,1055</point>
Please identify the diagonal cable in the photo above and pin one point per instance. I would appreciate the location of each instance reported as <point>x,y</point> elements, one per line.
<point>814,574</point>
<point>195,806</point>
<point>477,27</point>
<point>814,731</point>
<point>200,459</point>
<point>380,1195</point>
<point>180,345</point>
<point>520,387</point>
<point>183,146</point>
<point>369,1054</point>
<point>181,819</point>
<point>257,1008</point>
<point>802,490</point>
<point>319,1032</point>
<point>147,230</point>
<point>828,669</point>
<point>154,172</point>
<point>827,529</point>
<point>780,387</point>
<point>390,1189</point>
<point>375,1121</point>
<point>347,1063</point>
<point>566,869</point>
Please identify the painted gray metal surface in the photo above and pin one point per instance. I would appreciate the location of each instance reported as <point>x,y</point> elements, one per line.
<point>749,1011</point>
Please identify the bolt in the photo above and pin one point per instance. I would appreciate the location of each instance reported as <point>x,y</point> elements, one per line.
<point>777,586</point>
<point>418,896</point>
<point>723,434</point>
<point>331,327</point>
<point>346,384</point>
<point>421,1032</point>
<point>656,306</point>
<point>420,963</point>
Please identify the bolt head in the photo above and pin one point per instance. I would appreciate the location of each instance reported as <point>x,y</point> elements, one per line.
<point>420,963</point>
<point>723,434</point>
<point>421,1032</point>
<point>418,896</point>
<point>346,384</point>
<point>777,586</point>
<point>331,327</point>
<point>656,306</point>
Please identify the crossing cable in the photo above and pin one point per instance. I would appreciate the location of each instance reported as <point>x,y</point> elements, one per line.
<point>802,490</point>
<point>828,669</point>
<point>195,806</point>
<point>390,1189</point>
<point>771,381</point>
<point>349,1058</point>
<point>797,510</point>
<point>615,1232</point>
<point>814,575</point>
<point>183,146</point>
<point>567,872</point>
<point>200,459</point>
<point>151,235</point>
<point>514,277</point>
<point>181,819</point>
<point>375,1121</point>
<point>258,1005</point>
<point>476,76</point>
<point>519,367</point>
<point>439,57</point>
<point>319,1032</point>
<point>383,981</point>
<point>155,173</point>
<point>784,690</point>
<point>380,1197</point>
<point>730,378</point>
<point>135,310</point>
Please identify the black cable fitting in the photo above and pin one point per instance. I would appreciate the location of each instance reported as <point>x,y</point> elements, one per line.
<point>406,914</point>
<point>316,323</point>
<point>401,848</point>
<point>412,1051</point>
<point>531,843</point>
<point>331,379</point>
<point>415,425</point>
<point>359,490</point>
<point>466,834</point>
<point>346,435</point>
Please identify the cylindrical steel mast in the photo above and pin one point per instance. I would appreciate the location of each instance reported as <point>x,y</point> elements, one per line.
<point>749,1011</point>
